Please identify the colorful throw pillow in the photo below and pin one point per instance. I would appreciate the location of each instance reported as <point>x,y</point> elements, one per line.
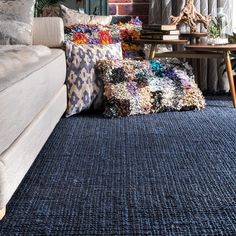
<point>129,32</point>
<point>71,17</point>
<point>126,33</point>
<point>83,87</point>
<point>16,19</point>
<point>90,34</point>
<point>130,48</point>
<point>141,87</point>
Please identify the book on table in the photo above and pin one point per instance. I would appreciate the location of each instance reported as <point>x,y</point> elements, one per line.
<point>160,37</point>
<point>158,27</point>
<point>168,32</point>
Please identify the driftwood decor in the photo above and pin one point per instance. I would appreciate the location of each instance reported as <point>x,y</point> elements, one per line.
<point>190,17</point>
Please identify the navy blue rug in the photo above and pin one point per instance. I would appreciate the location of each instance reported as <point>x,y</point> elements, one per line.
<point>171,173</point>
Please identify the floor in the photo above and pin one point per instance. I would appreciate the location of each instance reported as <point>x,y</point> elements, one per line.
<point>171,173</point>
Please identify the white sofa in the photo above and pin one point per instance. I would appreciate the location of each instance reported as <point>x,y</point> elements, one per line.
<point>31,104</point>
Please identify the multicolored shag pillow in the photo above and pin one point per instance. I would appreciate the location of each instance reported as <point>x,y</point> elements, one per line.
<point>141,87</point>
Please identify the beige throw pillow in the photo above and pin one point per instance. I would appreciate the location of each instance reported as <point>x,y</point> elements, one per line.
<point>102,20</point>
<point>71,17</point>
<point>16,19</point>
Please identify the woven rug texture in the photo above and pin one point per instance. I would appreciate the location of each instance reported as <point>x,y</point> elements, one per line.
<point>170,173</point>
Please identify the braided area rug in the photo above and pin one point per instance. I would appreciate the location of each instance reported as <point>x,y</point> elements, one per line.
<point>170,173</point>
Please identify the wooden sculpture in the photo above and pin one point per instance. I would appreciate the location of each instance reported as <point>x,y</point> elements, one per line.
<point>190,17</point>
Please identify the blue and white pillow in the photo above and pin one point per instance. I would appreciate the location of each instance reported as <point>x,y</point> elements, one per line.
<point>83,88</point>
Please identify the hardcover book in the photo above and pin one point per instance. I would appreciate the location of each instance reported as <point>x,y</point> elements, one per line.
<point>160,37</point>
<point>170,32</point>
<point>159,27</point>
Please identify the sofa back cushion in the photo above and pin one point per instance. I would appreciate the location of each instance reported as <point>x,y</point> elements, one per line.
<point>48,31</point>
<point>16,19</point>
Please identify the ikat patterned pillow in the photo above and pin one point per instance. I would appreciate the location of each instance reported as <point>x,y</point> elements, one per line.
<point>141,87</point>
<point>84,90</point>
<point>16,19</point>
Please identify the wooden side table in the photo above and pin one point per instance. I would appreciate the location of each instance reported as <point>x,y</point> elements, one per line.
<point>155,42</point>
<point>197,51</point>
<point>222,51</point>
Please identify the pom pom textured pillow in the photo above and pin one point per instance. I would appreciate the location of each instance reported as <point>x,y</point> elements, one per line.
<point>83,88</point>
<point>16,19</point>
<point>90,34</point>
<point>141,87</point>
<point>98,34</point>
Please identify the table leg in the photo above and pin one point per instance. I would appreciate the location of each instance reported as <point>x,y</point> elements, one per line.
<point>230,76</point>
<point>152,51</point>
<point>199,73</point>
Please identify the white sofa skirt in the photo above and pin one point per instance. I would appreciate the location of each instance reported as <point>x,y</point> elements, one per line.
<point>16,160</point>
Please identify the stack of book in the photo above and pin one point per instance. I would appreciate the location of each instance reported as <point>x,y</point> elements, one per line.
<point>160,32</point>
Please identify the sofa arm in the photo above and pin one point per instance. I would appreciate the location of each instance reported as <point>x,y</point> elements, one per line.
<point>48,31</point>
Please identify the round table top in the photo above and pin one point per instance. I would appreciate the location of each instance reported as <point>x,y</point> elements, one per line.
<point>216,47</point>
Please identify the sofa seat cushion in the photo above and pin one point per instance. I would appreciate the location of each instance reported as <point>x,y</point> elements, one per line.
<point>24,93</point>
<point>16,61</point>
